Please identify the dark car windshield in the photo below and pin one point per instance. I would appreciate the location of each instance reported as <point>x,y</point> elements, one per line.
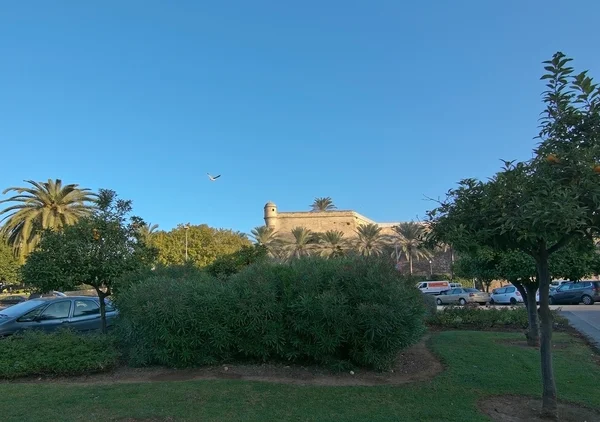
<point>471,290</point>
<point>20,308</point>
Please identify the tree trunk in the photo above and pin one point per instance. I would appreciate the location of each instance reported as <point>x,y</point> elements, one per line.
<point>549,402</point>
<point>410,264</point>
<point>451,263</point>
<point>533,332</point>
<point>101,296</point>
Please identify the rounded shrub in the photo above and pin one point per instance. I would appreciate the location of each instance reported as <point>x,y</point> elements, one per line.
<point>337,312</point>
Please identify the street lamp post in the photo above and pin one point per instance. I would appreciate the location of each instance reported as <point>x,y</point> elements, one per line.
<point>186,227</point>
<point>430,268</point>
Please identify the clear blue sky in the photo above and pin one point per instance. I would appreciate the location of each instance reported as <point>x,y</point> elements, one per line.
<point>374,103</point>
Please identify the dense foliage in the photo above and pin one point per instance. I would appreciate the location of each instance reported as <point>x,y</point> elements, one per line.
<point>430,304</point>
<point>9,265</point>
<point>63,352</point>
<point>479,319</point>
<point>337,312</point>
<point>225,266</point>
<point>204,244</point>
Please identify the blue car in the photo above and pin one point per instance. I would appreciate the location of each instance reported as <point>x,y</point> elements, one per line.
<point>81,313</point>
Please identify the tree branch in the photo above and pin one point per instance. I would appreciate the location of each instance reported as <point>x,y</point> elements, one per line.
<point>562,242</point>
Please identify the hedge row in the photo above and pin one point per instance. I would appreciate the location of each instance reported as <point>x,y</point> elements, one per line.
<point>63,352</point>
<point>479,318</point>
<point>338,313</point>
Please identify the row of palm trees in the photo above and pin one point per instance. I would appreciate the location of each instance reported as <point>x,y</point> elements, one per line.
<point>52,205</point>
<point>408,241</point>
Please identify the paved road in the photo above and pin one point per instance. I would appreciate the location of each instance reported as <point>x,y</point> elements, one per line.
<point>586,319</point>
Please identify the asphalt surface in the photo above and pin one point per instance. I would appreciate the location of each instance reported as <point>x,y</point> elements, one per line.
<point>585,319</point>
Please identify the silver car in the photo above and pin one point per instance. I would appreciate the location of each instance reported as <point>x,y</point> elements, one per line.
<point>463,296</point>
<point>81,313</point>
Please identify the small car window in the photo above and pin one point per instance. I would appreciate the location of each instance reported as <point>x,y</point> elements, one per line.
<point>510,290</point>
<point>85,307</point>
<point>58,310</point>
<point>31,315</point>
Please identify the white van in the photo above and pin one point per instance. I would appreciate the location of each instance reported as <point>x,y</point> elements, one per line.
<point>435,287</point>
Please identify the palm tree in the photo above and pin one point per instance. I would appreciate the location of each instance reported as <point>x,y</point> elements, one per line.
<point>370,240</point>
<point>147,231</point>
<point>332,243</point>
<point>302,242</point>
<point>48,205</point>
<point>410,239</point>
<point>263,235</point>
<point>322,205</point>
<point>268,237</point>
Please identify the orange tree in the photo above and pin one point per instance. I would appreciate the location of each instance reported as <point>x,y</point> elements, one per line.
<point>97,250</point>
<point>541,205</point>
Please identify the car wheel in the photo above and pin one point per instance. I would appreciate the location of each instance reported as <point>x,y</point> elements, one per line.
<point>492,302</point>
<point>439,301</point>
<point>513,301</point>
<point>550,300</point>
<point>462,302</point>
<point>587,300</point>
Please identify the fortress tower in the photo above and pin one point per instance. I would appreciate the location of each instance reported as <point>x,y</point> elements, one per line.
<point>271,215</point>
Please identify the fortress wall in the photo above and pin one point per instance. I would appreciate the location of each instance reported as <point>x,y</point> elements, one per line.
<point>344,221</point>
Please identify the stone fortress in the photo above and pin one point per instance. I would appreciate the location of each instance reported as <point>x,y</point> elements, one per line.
<point>345,221</point>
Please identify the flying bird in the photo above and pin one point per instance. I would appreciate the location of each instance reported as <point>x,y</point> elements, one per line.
<point>213,178</point>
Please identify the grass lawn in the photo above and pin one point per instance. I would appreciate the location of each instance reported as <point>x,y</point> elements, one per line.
<point>476,366</point>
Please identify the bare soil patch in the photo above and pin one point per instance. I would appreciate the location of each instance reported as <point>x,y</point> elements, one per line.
<point>414,364</point>
<point>523,344</point>
<point>510,408</point>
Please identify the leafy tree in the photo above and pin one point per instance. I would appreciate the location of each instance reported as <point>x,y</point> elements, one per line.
<point>370,240</point>
<point>227,265</point>
<point>323,204</point>
<point>481,263</point>
<point>302,243</point>
<point>539,206</point>
<point>411,241</point>
<point>575,261</point>
<point>48,205</point>
<point>204,244</point>
<point>332,243</point>
<point>97,250</point>
<point>9,265</point>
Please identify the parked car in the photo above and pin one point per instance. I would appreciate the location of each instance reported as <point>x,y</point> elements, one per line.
<point>433,287</point>
<point>81,313</point>
<point>462,296</point>
<point>587,292</point>
<point>506,295</point>
<point>11,300</point>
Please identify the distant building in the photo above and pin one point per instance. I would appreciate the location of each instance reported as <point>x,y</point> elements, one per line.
<point>345,221</point>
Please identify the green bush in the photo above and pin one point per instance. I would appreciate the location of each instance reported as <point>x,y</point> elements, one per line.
<point>227,265</point>
<point>59,353</point>
<point>479,318</point>
<point>430,304</point>
<point>337,312</point>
